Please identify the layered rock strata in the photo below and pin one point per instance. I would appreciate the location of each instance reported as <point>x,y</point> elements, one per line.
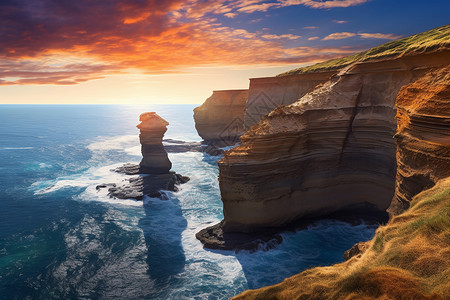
<point>154,156</point>
<point>423,136</point>
<point>220,119</point>
<point>265,94</point>
<point>331,150</point>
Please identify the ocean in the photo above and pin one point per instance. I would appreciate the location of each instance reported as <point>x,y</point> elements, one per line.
<point>60,238</point>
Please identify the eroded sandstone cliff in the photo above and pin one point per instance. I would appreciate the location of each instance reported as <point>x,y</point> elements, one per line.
<point>220,119</point>
<point>409,257</point>
<point>265,94</point>
<point>331,150</point>
<point>423,136</point>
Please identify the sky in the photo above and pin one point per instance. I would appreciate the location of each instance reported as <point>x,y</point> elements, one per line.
<point>173,52</point>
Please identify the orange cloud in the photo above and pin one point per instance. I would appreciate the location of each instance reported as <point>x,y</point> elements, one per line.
<point>67,42</point>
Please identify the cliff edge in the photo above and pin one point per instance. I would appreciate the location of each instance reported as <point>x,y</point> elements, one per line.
<point>409,258</point>
<point>331,150</point>
<point>220,119</point>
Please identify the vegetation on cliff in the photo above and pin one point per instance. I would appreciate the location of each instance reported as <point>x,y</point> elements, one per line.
<point>409,258</point>
<point>437,38</point>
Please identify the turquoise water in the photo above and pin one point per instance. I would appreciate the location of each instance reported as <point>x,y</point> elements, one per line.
<point>61,239</point>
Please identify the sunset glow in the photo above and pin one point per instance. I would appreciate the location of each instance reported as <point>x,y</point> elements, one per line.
<point>149,51</point>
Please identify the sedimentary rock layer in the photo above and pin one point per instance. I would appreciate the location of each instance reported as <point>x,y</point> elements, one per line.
<point>154,156</point>
<point>220,119</point>
<point>265,94</point>
<point>423,136</point>
<point>331,150</point>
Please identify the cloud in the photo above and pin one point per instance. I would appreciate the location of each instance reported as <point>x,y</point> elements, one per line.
<point>329,3</point>
<point>345,35</point>
<point>384,36</point>
<point>339,36</point>
<point>310,27</point>
<point>201,8</point>
<point>313,38</point>
<point>68,42</point>
<point>340,21</point>
<point>281,36</point>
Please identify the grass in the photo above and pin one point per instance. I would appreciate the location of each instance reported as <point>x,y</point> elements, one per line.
<point>409,258</point>
<point>431,40</point>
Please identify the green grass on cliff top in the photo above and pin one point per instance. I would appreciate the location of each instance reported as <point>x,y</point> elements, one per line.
<point>422,42</point>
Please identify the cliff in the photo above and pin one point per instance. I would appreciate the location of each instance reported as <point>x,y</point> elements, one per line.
<point>331,150</point>
<point>423,136</point>
<point>220,119</point>
<point>265,94</point>
<point>409,258</point>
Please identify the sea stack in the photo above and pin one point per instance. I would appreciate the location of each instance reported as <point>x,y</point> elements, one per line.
<point>154,168</point>
<point>154,156</point>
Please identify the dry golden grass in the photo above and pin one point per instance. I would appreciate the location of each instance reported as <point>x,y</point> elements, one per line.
<point>409,258</point>
<point>432,40</point>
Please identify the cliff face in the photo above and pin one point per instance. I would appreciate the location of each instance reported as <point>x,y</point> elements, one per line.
<point>220,119</point>
<point>409,258</point>
<point>333,149</point>
<point>265,94</point>
<point>423,136</point>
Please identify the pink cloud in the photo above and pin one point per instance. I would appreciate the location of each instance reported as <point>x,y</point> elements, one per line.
<point>340,21</point>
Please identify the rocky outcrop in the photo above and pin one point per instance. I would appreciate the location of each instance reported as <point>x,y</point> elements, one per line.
<point>220,119</point>
<point>154,156</point>
<point>154,168</point>
<point>423,136</point>
<point>331,150</point>
<point>357,249</point>
<point>265,94</point>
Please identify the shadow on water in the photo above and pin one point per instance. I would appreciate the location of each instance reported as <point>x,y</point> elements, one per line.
<point>162,227</point>
<point>318,242</point>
